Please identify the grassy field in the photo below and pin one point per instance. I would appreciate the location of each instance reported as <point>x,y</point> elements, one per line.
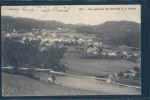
<point>80,66</point>
<point>129,81</point>
<point>15,85</point>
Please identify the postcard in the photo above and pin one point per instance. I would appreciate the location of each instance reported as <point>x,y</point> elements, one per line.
<point>59,50</point>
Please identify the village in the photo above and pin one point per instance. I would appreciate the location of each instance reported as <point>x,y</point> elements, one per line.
<point>90,47</point>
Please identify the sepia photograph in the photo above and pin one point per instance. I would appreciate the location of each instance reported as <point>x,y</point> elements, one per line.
<point>61,50</point>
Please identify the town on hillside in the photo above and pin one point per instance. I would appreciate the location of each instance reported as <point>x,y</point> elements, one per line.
<point>90,46</point>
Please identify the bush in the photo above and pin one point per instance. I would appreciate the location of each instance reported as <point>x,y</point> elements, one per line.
<point>101,76</point>
<point>127,76</point>
<point>61,68</point>
<point>121,74</point>
<point>127,71</point>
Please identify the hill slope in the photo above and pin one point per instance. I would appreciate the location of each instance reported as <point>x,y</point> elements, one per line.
<point>9,23</point>
<point>25,86</point>
<point>116,32</point>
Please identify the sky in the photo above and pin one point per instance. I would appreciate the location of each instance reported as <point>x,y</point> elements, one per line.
<point>75,14</point>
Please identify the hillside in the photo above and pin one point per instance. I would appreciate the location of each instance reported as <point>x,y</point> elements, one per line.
<point>9,23</point>
<point>116,32</point>
<point>25,86</point>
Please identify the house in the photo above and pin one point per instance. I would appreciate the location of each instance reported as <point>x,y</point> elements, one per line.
<point>24,38</point>
<point>124,53</point>
<point>42,49</point>
<point>7,34</point>
<point>119,54</point>
<point>30,38</point>
<point>80,40</point>
<point>73,40</point>
<point>33,29</point>
<point>128,74</point>
<point>100,44</point>
<point>14,33</point>
<point>59,28</point>
<point>96,43</point>
<point>29,33</point>
<point>111,54</point>
<point>53,34</point>
<point>91,49</point>
<point>95,52</point>
<point>89,40</point>
<point>14,30</point>
<point>136,54</point>
<point>37,32</point>
<point>103,53</point>
<point>21,41</point>
<point>128,56</point>
<point>43,33</point>
<point>113,76</point>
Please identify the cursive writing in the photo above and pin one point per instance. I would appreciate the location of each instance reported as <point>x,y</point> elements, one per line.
<point>43,9</point>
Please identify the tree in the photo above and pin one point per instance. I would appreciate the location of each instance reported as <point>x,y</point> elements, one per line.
<point>14,63</point>
<point>18,54</point>
<point>100,49</point>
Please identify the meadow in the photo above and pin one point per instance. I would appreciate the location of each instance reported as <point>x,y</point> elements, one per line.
<point>25,86</point>
<point>81,66</point>
<point>65,85</point>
